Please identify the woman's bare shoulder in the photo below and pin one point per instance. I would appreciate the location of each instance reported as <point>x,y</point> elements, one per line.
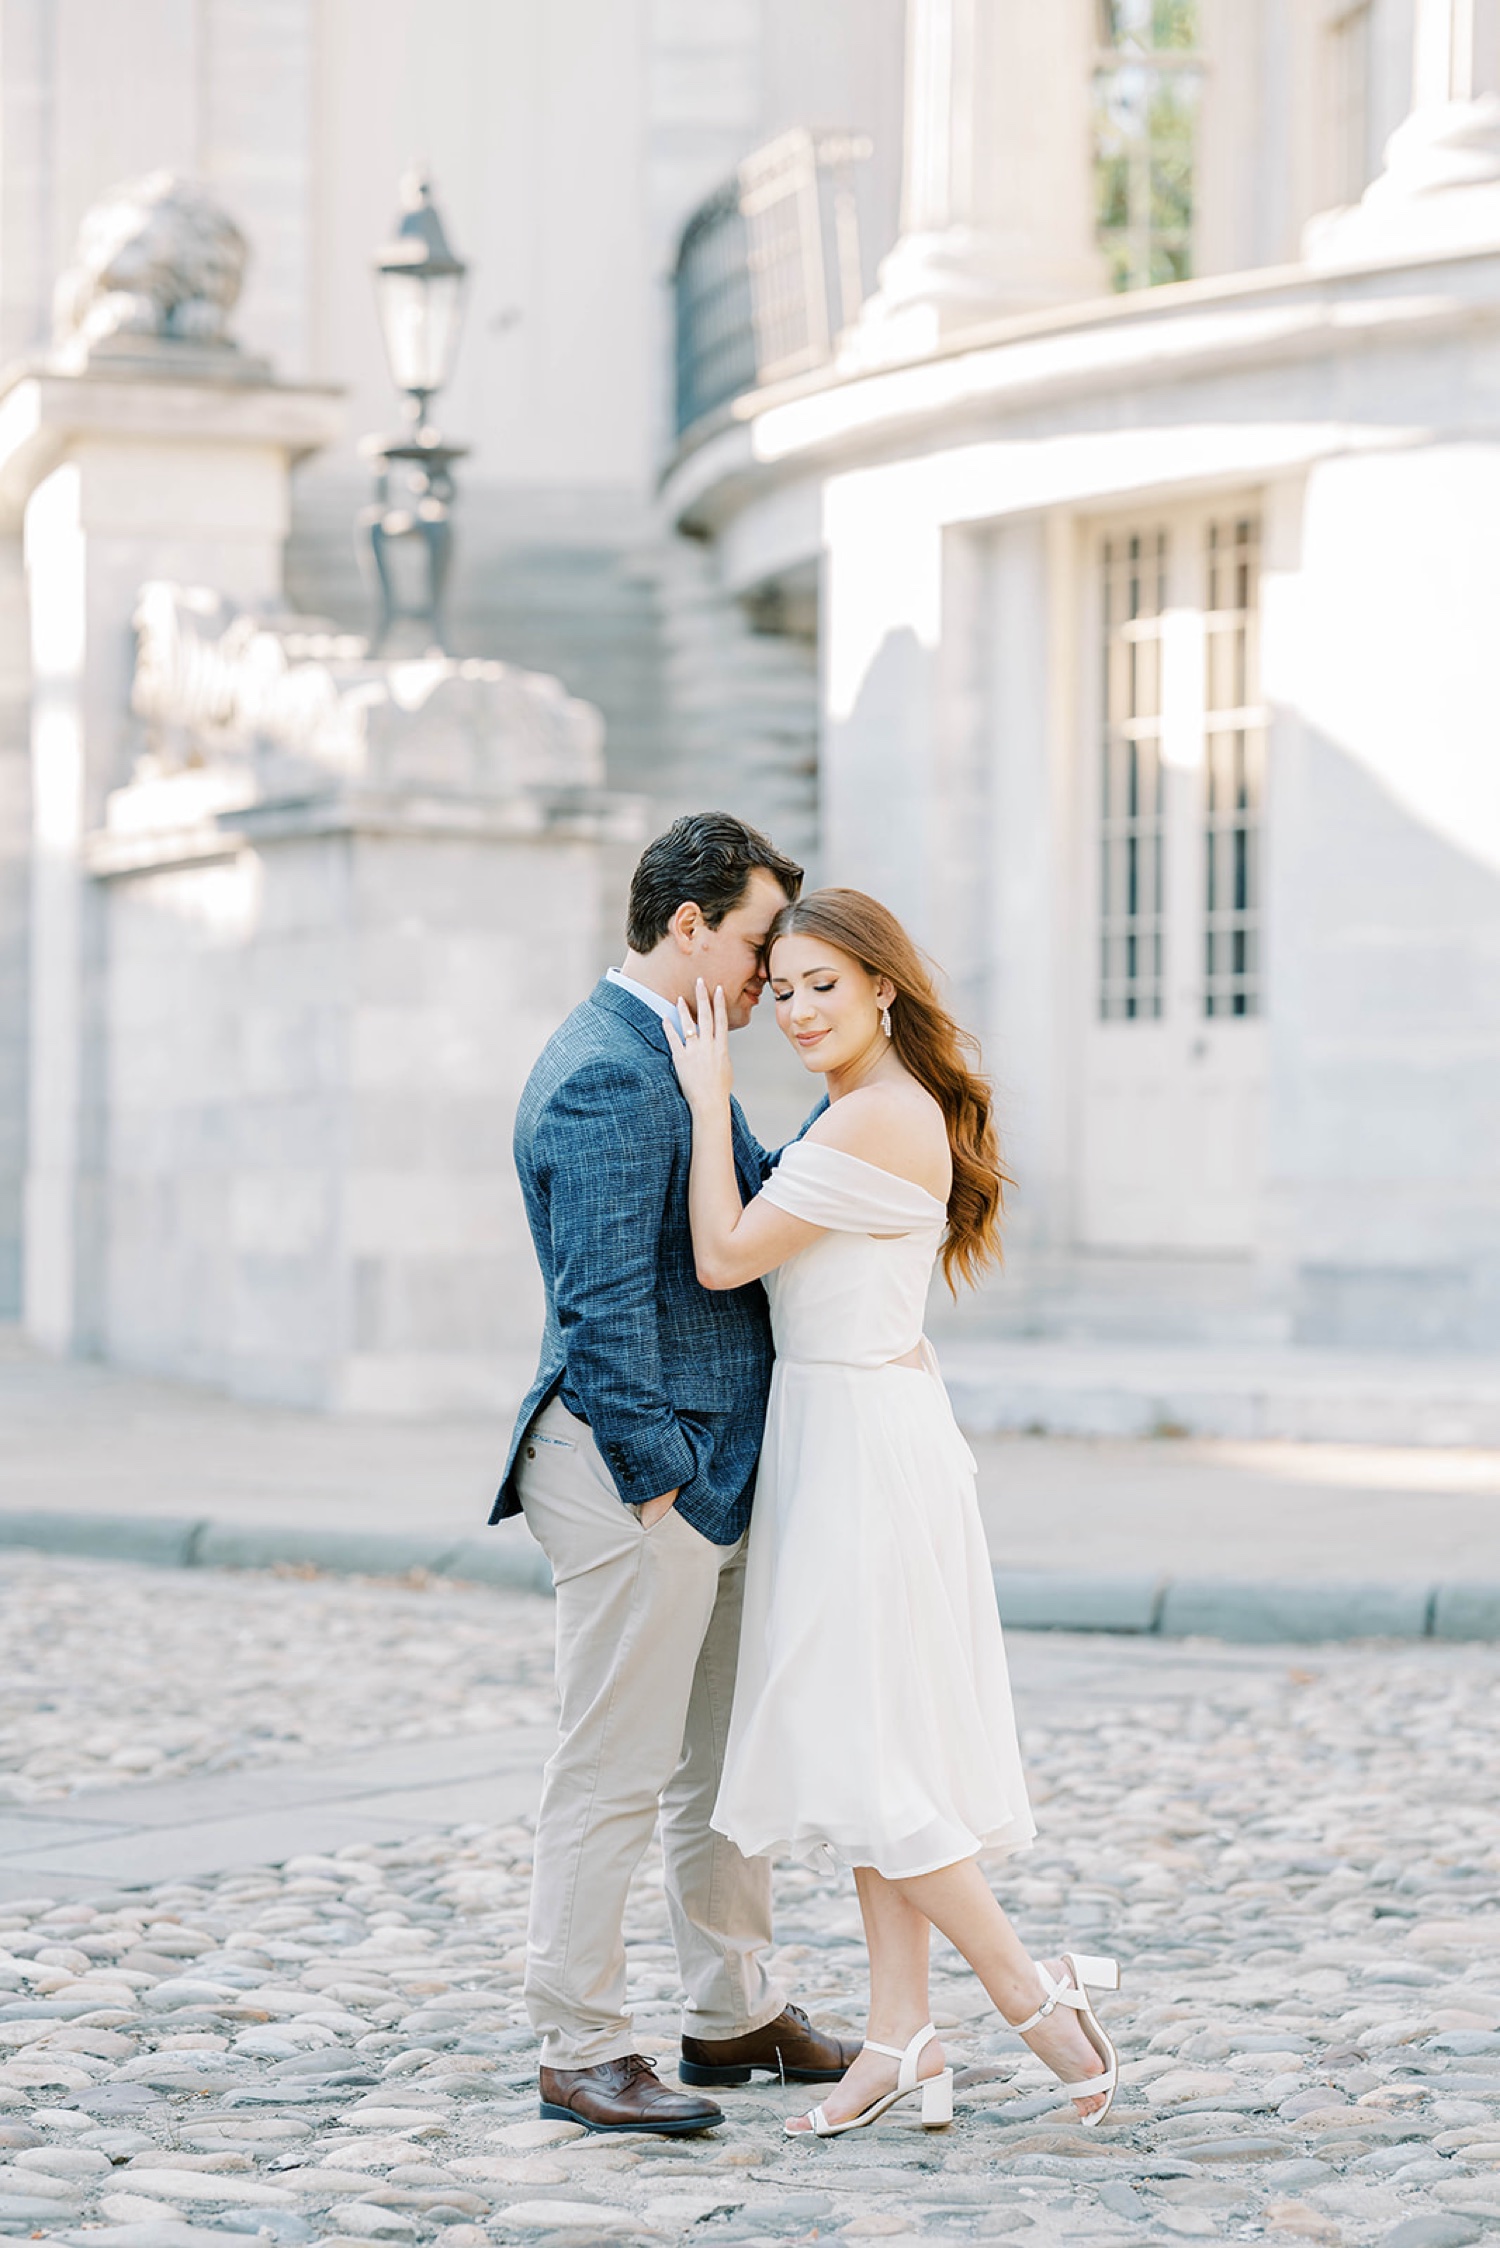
<point>896,1124</point>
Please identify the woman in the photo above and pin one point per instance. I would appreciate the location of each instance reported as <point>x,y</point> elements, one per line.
<point>872,1715</point>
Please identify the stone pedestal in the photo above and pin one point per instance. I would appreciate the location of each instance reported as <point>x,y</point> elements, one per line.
<point>118,478</point>
<point>346,903</point>
<point>997,212</point>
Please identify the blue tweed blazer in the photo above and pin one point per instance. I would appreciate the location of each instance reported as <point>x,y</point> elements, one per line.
<point>671,1377</point>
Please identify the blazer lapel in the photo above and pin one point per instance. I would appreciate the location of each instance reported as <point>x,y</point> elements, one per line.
<point>633,1012</point>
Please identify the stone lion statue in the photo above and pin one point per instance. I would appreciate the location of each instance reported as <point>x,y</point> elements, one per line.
<point>156,259</point>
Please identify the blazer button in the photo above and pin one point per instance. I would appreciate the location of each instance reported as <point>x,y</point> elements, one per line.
<point>531,1451</point>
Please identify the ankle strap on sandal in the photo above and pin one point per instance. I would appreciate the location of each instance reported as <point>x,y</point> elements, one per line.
<point>1058,1994</point>
<point>908,2057</point>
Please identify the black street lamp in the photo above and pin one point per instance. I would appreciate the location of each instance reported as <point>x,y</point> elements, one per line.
<point>419,291</point>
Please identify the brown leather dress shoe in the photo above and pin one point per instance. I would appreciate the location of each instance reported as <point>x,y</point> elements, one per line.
<point>789,2048</point>
<point>623,2095</point>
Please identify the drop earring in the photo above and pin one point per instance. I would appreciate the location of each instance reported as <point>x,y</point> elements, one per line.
<point>885,1020</point>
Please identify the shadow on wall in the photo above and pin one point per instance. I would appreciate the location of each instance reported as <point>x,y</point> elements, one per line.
<point>876,781</point>
<point>1380,1217</point>
<point>907,793</point>
<point>1384,1022</point>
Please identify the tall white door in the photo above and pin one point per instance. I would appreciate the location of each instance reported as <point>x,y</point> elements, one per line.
<point>1171,1086</point>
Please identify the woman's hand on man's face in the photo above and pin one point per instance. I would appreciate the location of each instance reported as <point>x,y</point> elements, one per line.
<point>700,1049</point>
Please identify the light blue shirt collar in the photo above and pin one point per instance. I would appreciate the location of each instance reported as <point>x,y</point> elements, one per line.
<point>652,999</point>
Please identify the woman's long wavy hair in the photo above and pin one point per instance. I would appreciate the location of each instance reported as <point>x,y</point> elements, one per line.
<point>938,1054</point>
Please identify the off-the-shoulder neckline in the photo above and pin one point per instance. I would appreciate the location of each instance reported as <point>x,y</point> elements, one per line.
<point>821,1147</point>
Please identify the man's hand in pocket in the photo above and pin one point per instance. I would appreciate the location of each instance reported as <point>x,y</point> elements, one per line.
<point>654,1509</point>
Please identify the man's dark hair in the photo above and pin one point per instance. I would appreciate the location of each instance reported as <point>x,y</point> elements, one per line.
<point>706,859</point>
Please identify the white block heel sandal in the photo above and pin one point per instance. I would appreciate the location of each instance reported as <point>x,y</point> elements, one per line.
<point>936,2091</point>
<point>1104,1974</point>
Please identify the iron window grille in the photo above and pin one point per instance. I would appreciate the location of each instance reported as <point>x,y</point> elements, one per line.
<point>768,271</point>
<point>1234,762</point>
<point>1132,803</point>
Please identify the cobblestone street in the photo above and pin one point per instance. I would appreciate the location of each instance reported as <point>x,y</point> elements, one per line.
<point>1296,1854</point>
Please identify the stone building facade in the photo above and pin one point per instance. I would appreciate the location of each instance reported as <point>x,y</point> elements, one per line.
<point>570,145</point>
<point>1154,623</point>
<point>1038,460</point>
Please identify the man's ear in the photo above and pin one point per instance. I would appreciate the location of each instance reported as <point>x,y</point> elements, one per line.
<point>685,924</point>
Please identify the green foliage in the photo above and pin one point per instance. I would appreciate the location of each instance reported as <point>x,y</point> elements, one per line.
<point>1149,26</point>
<point>1174,25</point>
<point>1145,140</point>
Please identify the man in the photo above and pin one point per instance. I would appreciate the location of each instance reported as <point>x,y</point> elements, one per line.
<point>633,1460</point>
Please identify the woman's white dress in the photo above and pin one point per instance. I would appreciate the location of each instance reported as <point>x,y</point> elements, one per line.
<point>872,1713</point>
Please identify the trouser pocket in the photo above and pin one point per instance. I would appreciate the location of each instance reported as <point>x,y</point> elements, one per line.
<point>568,1496</point>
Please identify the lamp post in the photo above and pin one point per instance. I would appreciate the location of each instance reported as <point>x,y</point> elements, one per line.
<point>419,290</point>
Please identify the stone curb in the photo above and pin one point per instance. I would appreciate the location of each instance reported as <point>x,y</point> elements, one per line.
<point>174,1543</point>
<point>1075,1600</point>
<point>1217,1608</point>
<point>1247,1611</point>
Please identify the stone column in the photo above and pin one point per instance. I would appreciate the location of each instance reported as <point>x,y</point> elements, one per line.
<point>1443,53</point>
<point>1440,188</point>
<point>118,477</point>
<point>998,205</point>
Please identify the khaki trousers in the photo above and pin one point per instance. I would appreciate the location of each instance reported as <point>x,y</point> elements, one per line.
<point>648,1625</point>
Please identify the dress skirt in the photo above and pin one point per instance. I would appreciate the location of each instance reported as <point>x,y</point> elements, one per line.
<point>872,1717</point>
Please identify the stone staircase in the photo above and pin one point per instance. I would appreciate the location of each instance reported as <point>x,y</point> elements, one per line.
<point>547,580</point>
<point>701,706</point>
<point>1071,1295</point>
<point>743,700</point>
<point>744,738</point>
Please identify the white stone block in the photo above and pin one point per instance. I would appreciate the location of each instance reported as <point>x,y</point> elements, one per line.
<point>386,1213</point>
<point>283,1213</point>
<point>311,1189</point>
